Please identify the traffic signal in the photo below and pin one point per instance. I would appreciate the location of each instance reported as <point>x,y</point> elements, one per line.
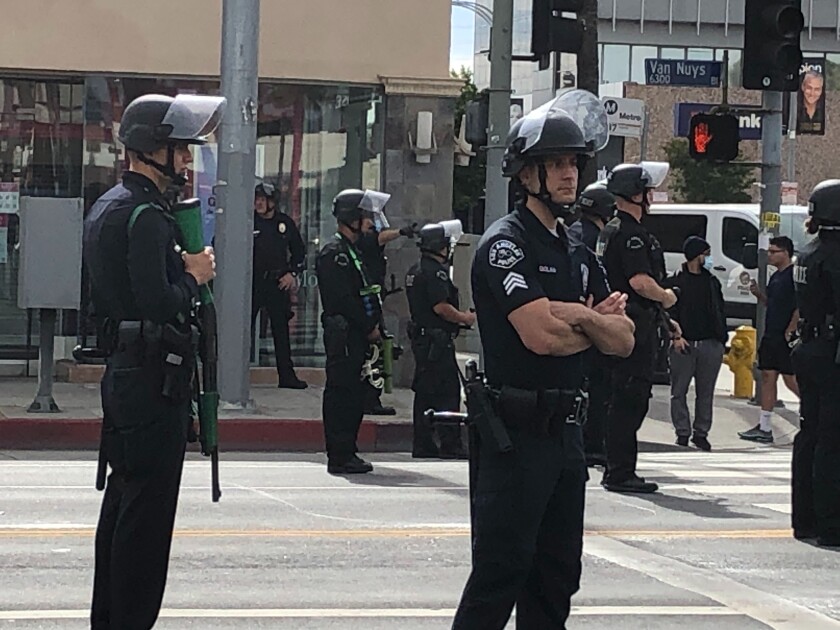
<point>714,137</point>
<point>772,50</point>
<point>551,32</point>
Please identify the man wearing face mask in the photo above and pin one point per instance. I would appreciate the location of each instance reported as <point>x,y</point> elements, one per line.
<point>698,353</point>
<point>376,234</point>
<point>534,287</point>
<point>636,266</point>
<point>143,289</point>
<point>351,319</point>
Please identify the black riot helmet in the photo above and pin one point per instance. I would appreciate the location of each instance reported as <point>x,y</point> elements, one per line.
<point>574,123</point>
<point>433,238</point>
<point>824,204</point>
<point>353,204</point>
<point>629,180</point>
<point>265,189</point>
<point>155,121</point>
<point>597,201</point>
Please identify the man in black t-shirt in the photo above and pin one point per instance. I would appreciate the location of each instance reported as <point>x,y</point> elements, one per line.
<point>698,352</point>
<point>780,324</point>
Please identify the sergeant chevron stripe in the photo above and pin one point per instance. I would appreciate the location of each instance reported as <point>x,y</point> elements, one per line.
<point>514,281</point>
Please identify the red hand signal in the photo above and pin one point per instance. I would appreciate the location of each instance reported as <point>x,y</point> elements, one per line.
<point>702,137</point>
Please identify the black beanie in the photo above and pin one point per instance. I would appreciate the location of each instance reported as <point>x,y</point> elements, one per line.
<point>694,246</point>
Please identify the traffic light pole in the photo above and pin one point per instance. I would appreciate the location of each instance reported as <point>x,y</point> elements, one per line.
<point>501,51</point>
<point>771,189</point>
<point>235,197</point>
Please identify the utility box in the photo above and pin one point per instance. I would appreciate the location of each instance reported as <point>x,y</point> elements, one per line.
<point>50,274</point>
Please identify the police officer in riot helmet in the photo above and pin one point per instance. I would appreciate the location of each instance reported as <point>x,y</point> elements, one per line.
<point>595,206</point>
<point>279,256</point>
<point>376,234</point>
<point>351,319</point>
<point>435,321</point>
<point>635,265</point>
<point>816,361</point>
<point>534,287</point>
<point>143,289</point>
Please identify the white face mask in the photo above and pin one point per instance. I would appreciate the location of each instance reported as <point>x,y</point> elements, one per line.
<point>708,263</point>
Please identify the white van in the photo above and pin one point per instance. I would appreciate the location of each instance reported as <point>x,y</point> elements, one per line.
<point>727,228</point>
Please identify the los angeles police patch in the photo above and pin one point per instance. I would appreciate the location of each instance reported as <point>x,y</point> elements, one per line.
<point>635,242</point>
<point>505,254</point>
<point>441,274</point>
<point>341,259</point>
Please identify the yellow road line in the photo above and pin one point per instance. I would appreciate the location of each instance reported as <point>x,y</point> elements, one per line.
<point>421,532</point>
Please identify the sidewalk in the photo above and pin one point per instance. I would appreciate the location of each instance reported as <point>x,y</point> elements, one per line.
<point>289,420</point>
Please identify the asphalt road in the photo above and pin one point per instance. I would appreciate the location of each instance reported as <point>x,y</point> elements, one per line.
<point>292,547</point>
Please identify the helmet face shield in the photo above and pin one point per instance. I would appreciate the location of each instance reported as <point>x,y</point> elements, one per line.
<point>453,229</point>
<point>193,118</point>
<point>373,204</point>
<point>581,106</point>
<point>656,172</point>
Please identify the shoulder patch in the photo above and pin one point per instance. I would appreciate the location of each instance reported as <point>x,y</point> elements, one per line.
<point>341,259</point>
<point>442,275</point>
<point>635,242</point>
<point>505,254</point>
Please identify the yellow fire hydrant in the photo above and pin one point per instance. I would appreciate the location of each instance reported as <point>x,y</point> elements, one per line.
<point>740,358</point>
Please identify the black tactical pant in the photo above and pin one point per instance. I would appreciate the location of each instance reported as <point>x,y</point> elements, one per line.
<point>277,302</point>
<point>528,532</point>
<point>436,386</point>
<point>631,385</point>
<point>144,443</point>
<point>594,431</point>
<point>816,449</point>
<point>344,395</point>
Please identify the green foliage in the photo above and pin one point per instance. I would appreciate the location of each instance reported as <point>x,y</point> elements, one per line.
<point>696,181</point>
<point>468,181</point>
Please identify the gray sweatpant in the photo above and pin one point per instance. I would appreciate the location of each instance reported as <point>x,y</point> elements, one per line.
<point>702,363</point>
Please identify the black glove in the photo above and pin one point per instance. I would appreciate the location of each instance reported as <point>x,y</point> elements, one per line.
<point>409,230</point>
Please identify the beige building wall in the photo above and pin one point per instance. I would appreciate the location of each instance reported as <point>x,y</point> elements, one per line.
<point>817,157</point>
<point>354,41</point>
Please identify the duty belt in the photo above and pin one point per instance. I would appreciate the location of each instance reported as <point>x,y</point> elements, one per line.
<point>540,410</point>
<point>809,332</point>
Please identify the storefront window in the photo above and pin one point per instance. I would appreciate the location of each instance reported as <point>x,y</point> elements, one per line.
<point>640,53</point>
<point>41,129</point>
<point>312,142</point>
<point>615,63</point>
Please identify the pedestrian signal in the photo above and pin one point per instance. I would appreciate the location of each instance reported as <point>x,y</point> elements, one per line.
<point>714,137</point>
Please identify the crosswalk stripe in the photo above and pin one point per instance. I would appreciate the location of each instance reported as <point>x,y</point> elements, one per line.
<point>784,508</point>
<point>740,489</point>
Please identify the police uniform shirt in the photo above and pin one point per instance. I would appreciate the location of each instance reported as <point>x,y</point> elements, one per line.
<point>517,262</point>
<point>586,231</point>
<point>136,273</point>
<point>278,245</point>
<point>340,285</point>
<point>428,284</point>
<point>631,251</point>
<point>373,255</point>
<point>817,278</point>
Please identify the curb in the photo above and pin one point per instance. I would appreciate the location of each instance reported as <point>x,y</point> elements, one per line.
<point>235,434</point>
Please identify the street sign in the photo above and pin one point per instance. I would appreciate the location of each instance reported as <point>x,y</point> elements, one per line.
<point>682,72</point>
<point>749,124</point>
<point>626,116</point>
<point>790,193</point>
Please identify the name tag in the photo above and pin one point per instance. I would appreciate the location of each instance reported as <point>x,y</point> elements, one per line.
<point>547,269</point>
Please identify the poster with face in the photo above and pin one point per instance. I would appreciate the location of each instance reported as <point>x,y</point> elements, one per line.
<point>810,114</point>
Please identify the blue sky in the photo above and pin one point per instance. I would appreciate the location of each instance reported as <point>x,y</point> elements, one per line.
<point>463,26</point>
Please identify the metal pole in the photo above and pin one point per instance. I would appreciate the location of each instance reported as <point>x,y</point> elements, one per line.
<point>44,402</point>
<point>235,196</point>
<point>771,189</point>
<point>794,107</point>
<point>501,49</point>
